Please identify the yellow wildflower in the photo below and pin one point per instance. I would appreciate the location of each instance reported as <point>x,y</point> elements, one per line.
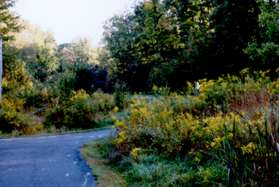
<point>135,153</point>
<point>249,148</point>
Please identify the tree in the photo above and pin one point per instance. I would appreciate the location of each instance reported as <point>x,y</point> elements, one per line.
<point>191,18</point>
<point>8,20</point>
<point>141,44</point>
<point>8,24</point>
<point>167,42</point>
<point>80,69</point>
<point>264,51</point>
<point>79,51</point>
<point>234,24</point>
<point>38,49</point>
<point>84,51</point>
<point>1,66</point>
<point>119,37</point>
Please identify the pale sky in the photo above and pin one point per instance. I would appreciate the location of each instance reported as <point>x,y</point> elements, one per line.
<point>70,19</point>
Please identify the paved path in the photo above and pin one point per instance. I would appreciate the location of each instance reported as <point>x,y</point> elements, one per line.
<point>50,161</point>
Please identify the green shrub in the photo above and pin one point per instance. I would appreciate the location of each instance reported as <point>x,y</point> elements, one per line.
<point>13,119</point>
<point>230,93</point>
<point>81,111</point>
<point>237,133</point>
<point>65,85</point>
<point>120,96</point>
<point>37,98</point>
<point>16,82</point>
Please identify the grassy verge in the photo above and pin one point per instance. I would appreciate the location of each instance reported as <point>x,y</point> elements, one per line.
<point>95,154</point>
<point>148,169</point>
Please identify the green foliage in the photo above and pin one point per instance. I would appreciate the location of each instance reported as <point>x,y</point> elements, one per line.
<point>269,21</point>
<point>66,83</point>
<point>223,93</point>
<point>37,49</point>
<point>227,134</point>
<point>79,51</point>
<point>153,170</point>
<point>231,32</point>
<point>232,123</point>
<point>140,45</point>
<point>16,82</point>
<point>14,119</point>
<point>35,75</point>
<point>80,111</point>
<point>265,50</point>
<point>120,96</point>
<point>8,20</point>
<point>44,65</point>
<point>37,97</point>
<point>167,42</point>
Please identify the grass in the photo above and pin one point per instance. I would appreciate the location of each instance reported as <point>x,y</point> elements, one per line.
<point>94,153</point>
<point>148,169</point>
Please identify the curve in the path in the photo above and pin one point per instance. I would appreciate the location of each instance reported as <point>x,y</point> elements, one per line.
<point>49,161</point>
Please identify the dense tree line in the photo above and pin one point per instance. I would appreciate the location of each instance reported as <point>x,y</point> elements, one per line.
<point>167,42</point>
<point>44,83</point>
<point>161,43</point>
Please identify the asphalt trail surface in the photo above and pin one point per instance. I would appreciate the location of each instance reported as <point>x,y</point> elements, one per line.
<point>50,161</point>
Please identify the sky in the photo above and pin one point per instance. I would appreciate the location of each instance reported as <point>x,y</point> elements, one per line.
<point>72,19</point>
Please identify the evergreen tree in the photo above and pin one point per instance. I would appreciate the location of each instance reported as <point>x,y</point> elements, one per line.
<point>8,20</point>
<point>8,24</point>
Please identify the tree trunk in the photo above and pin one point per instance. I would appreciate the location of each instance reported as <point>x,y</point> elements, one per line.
<point>1,66</point>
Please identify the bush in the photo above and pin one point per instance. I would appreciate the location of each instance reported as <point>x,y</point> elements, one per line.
<point>241,140</point>
<point>66,84</point>
<point>230,93</point>
<point>13,119</point>
<point>81,111</point>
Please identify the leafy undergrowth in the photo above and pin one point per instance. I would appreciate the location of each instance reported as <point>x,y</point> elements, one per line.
<point>147,169</point>
<point>226,136</point>
<point>81,111</point>
<point>95,154</point>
